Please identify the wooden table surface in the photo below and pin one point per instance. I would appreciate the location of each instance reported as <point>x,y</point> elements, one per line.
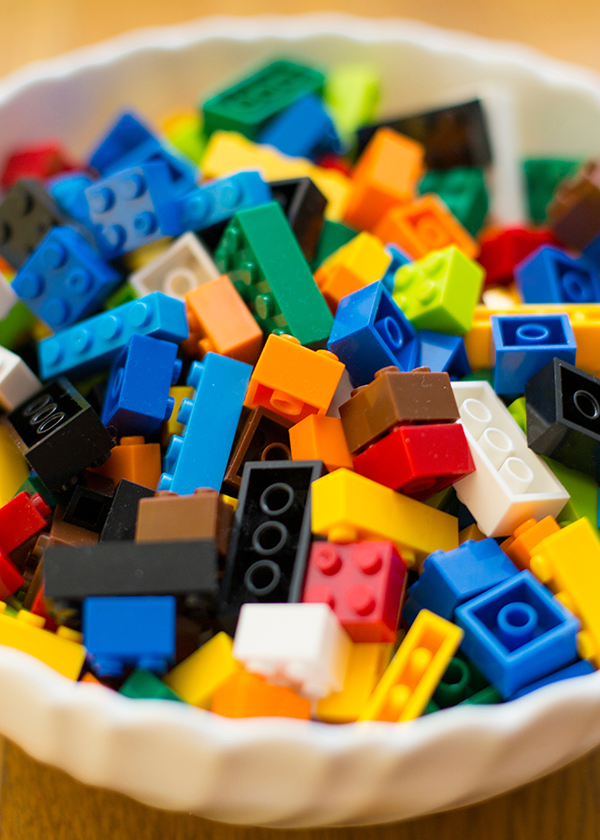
<point>39,803</point>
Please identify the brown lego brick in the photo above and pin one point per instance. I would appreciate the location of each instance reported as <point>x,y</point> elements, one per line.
<point>574,212</point>
<point>393,397</point>
<point>169,517</point>
<point>63,533</point>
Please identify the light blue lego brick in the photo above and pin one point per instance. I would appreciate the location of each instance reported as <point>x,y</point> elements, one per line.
<point>399,258</point>
<point>68,190</point>
<point>90,346</point>
<point>517,633</point>
<point>199,458</point>
<point>441,352</point>
<point>577,669</point>
<point>302,129</point>
<point>217,201</point>
<point>551,275</point>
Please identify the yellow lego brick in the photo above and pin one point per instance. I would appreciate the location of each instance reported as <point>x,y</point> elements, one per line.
<point>568,562</point>
<point>364,256</point>
<point>62,650</point>
<point>171,427</point>
<point>347,507</point>
<point>415,671</point>
<point>366,664</point>
<point>13,467</point>
<point>196,679</point>
<point>472,532</point>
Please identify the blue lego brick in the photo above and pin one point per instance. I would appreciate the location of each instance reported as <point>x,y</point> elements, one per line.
<point>217,201</point>
<point>199,458</point>
<point>523,344</point>
<point>129,142</point>
<point>133,207</point>
<point>302,130</point>
<point>68,190</point>
<point>577,669</point>
<point>591,252</point>
<point>441,352</point>
<point>64,279</point>
<point>90,346</point>
<point>130,630</point>
<point>137,395</point>
<point>517,633</point>
<point>551,275</point>
<point>450,578</point>
<point>371,332</point>
<point>399,258</point>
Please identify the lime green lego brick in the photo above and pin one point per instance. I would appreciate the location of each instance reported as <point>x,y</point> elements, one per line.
<point>582,489</point>
<point>263,259</point>
<point>250,103</point>
<point>440,291</point>
<point>123,294</point>
<point>542,176</point>
<point>189,138</point>
<point>333,236</point>
<point>32,485</point>
<point>518,411</point>
<point>352,94</point>
<point>15,328</point>
<point>463,191</point>
<point>143,685</point>
<point>485,697</point>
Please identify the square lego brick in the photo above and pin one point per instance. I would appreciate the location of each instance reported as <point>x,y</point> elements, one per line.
<point>27,213</point>
<point>551,275</point>
<point>185,265</point>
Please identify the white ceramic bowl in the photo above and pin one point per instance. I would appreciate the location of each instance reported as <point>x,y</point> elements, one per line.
<point>283,772</point>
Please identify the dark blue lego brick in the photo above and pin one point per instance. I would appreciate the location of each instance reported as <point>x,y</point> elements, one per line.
<point>129,631</point>
<point>450,578</point>
<point>133,207</point>
<point>137,396</point>
<point>371,332</point>
<point>577,669</point>
<point>217,201</point>
<point>523,344</point>
<point>65,279</point>
<point>90,346</point>
<point>551,275</point>
<point>441,352</point>
<point>302,130</point>
<point>399,258</point>
<point>68,190</point>
<point>517,633</point>
<point>199,458</point>
<point>591,252</point>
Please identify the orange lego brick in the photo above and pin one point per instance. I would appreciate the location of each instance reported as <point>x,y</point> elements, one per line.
<point>523,543</point>
<point>423,226</point>
<point>360,262</point>
<point>248,695</point>
<point>321,438</point>
<point>220,322</point>
<point>292,380</point>
<point>134,460</point>
<point>384,176</point>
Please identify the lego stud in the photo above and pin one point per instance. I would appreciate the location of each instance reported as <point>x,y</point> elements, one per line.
<point>576,287</point>
<point>197,209</point>
<point>145,223</point>
<point>140,314</point>
<point>185,411</point>
<point>195,374</point>
<point>540,567</point>
<point>431,233</point>
<point>516,474</point>
<point>319,594</point>
<point>179,282</point>
<point>262,578</point>
<point>361,599</point>
<point>264,306</point>
<point>172,454</point>
<point>390,332</point>
<point>169,408</point>
<point>528,335</point>
<point>110,327</point>
<point>326,559</point>
<point>367,558</point>
<point>455,681</point>
<point>269,538</point>
<point>100,200</point>
<point>276,452</point>
<point>30,285</point>
<point>516,624</point>
<point>586,647</point>
<point>113,237</point>
<point>475,416</point>
<point>586,404</point>
<point>80,282</point>
<point>55,312</point>
<point>133,186</point>
<point>497,445</point>
<point>54,256</point>
<point>230,195</point>
<point>285,403</point>
<point>81,340</point>
<point>427,292</point>
<point>277,499</point>
<point>53,352</point>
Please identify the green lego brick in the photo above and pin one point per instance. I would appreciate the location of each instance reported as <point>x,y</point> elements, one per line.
<point>440,500</point>
<point>352,94</point>
<point>123,294</point>
<point>32,485</point>
<point>430,708</point>
<point>481,375</point>
<point>542,176</point>
<point>487,696</point>
<point>583,490</point>
<point>250,103</point>
<point>440,291</point>
<point>143,685</point>
<point>463,191</point>
<point>461,680</point>
<point>333,236</point>
<point>15,328</point>
<point>518,411</point>
<point>263,259</point>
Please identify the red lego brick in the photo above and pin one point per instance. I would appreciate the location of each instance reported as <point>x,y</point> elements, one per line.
<point>40,607</point>
<point>362,582</point>
<point>502,250</point>
<point>39,162</point>
<point>10,577</point>
<point>331,161</point>
<point>21,519</point>
<point>418,460</point>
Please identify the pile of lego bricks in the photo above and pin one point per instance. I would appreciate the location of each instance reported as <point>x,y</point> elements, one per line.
<point>292,424</point>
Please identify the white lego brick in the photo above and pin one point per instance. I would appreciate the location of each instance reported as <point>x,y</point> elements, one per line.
<point>17,380</point>
<point>300,645</point>
<point>510,483</point>
<point>182,267</point>
<point>8,297</point>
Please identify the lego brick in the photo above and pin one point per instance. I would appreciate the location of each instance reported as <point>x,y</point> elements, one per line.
<point>16,326</point>
<point>521,546</point>
<point>510,483</point>
<point>574,212</point>
<point>184,130</point>
<point>59,434</point>
<point>136,631</point>
<point>453,135</point>
<point>64,279</point>
<point>460,682</point>
<point>304,129</point>
<point>484,697</point>
<point>270,538</point>
<point>8,297</point>
<point>68,190</point>
<point>384,177</point>
<point>366,664</point>
<point>449,578</point>
<point>363,583</point>
<point>61,651</point>
<point>518,411</point>
<point>246,695</point>
<point>370,332</point>
<point>87,509</point>
<point>120,522</point>
<point>273,276</point>
<point>582,489</point>
<point>128,568</point>
<point>523,345</point>
<point>213,416</point>
<point>543,175</point>
<point>439,292</point>
<point>134,460</point>
<point>502,250</point>
<point>17,381</point>
<point>144,685</point>
<point>197,677</point>
<point>137,395</point>
<point>262,436</point>
<point>40,162</point>
<point>360,262</point>
<point>347,507</point>
<point>91,345</point>
<point>64,534</point>
<point>304,205</point>
<point>10,578</point>
<point>172,426</point>
<point>551,275</point>
<point>185,265</point>
<point>517,632</point>
<point>333,236</point>
<point>351,93</point>
<point>415,671</point>
<point>577,669</point>
<point>247,105</point>
<point>218,200</point>
<point>318,438</point>
<point>441,352</point>
<point>418,461</point>
<point>220,322</point>
<point>299,645</point>
<point>463,191</point>
<point>563,410</point>
<point>292,380</point>
<point>396,397</point>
